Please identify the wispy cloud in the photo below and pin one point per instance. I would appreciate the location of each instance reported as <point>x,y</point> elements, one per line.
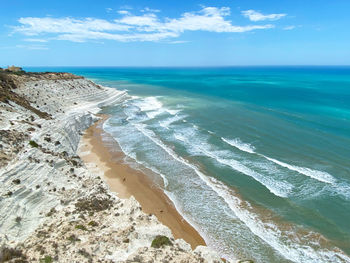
<point>178,42</point>
<point>34,26</point>
<point>150,10</point>
<point>145,27</point>
<point>255,16</point>
<point>32,47</point>
<point>123,12</point>
<point>126,7</point>
<point>35,40</point>
<point>289,27</point>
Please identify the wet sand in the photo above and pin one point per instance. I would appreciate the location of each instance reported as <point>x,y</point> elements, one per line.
<point>100,152</point>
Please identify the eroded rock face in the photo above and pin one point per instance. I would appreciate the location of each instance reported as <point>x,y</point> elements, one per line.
<point>40,151</point>
<point>51,207</point>
<point>12,142</point>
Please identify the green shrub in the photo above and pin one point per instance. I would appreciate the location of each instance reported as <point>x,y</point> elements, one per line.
<point>81,227</point>
<point>16,181</point>
<point>51,212</point>
<point>92,223</point>
<point>33,144</point>
<point>161,241</point>
<point>73,238</point>
<point>93,204</point>
<point>46,259</point>
<point>84,253</point>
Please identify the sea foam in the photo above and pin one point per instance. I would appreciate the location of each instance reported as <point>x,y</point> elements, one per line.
<point>245,147</point>
<point>276,187</point>
<point>315,174</point>
<point>168,121</point>
<point>153,107</point>
<point>292,247</point>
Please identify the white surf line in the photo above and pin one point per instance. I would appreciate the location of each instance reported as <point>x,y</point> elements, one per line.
<point>152,107</point>
<point>168,121</point>
<point>237,143</point>
<point>239,167</point>
<point>278,188</point>
<point>270,233</point>
<point>315,174</point>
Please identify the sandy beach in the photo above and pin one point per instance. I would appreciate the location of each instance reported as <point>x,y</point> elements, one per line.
<point>126,181</point>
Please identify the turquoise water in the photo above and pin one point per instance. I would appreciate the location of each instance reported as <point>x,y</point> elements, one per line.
<point>256,159</point>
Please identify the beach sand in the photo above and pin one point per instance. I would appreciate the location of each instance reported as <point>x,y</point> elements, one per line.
<point>101,155</point>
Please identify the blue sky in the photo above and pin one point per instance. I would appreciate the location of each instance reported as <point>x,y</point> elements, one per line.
<point>174,33</point>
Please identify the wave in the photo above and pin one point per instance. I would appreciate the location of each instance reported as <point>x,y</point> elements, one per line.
<point>293,246</point>
<point>333,186</point>
<point>173,112</point>
<point>148,104</point>
<point>152,106</point>
<point>315,174</point>
<point>168,121</point>
<point>245,147</point>
<point>278,188</point>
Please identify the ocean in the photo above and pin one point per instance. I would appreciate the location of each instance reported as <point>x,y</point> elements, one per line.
<point>257,159</point>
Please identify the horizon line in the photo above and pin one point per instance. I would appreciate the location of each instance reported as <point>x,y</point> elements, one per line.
<point>191,66</point>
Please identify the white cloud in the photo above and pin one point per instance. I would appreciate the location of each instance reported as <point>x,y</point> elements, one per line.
<point>289,27</point>
<point>178,42</point>
<point>126,7</point>
<point>32,47</point>
<point>123,12</point>
<point>210,19</point>
<point>148,22</point>
<point>35,40</point>
<point>150,10</point>
<point>145,27</point>
<point>33,26</point>
<point>257,16</point>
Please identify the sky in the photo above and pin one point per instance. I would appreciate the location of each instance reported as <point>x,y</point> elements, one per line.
<point>174,33</point>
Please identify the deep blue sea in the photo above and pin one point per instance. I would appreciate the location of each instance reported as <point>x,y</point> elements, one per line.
<point>257,159</point>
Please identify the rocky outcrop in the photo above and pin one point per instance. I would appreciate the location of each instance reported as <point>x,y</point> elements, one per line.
<point>52,209</point>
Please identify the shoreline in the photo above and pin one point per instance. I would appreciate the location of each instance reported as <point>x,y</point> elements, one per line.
<point>126,182</point>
